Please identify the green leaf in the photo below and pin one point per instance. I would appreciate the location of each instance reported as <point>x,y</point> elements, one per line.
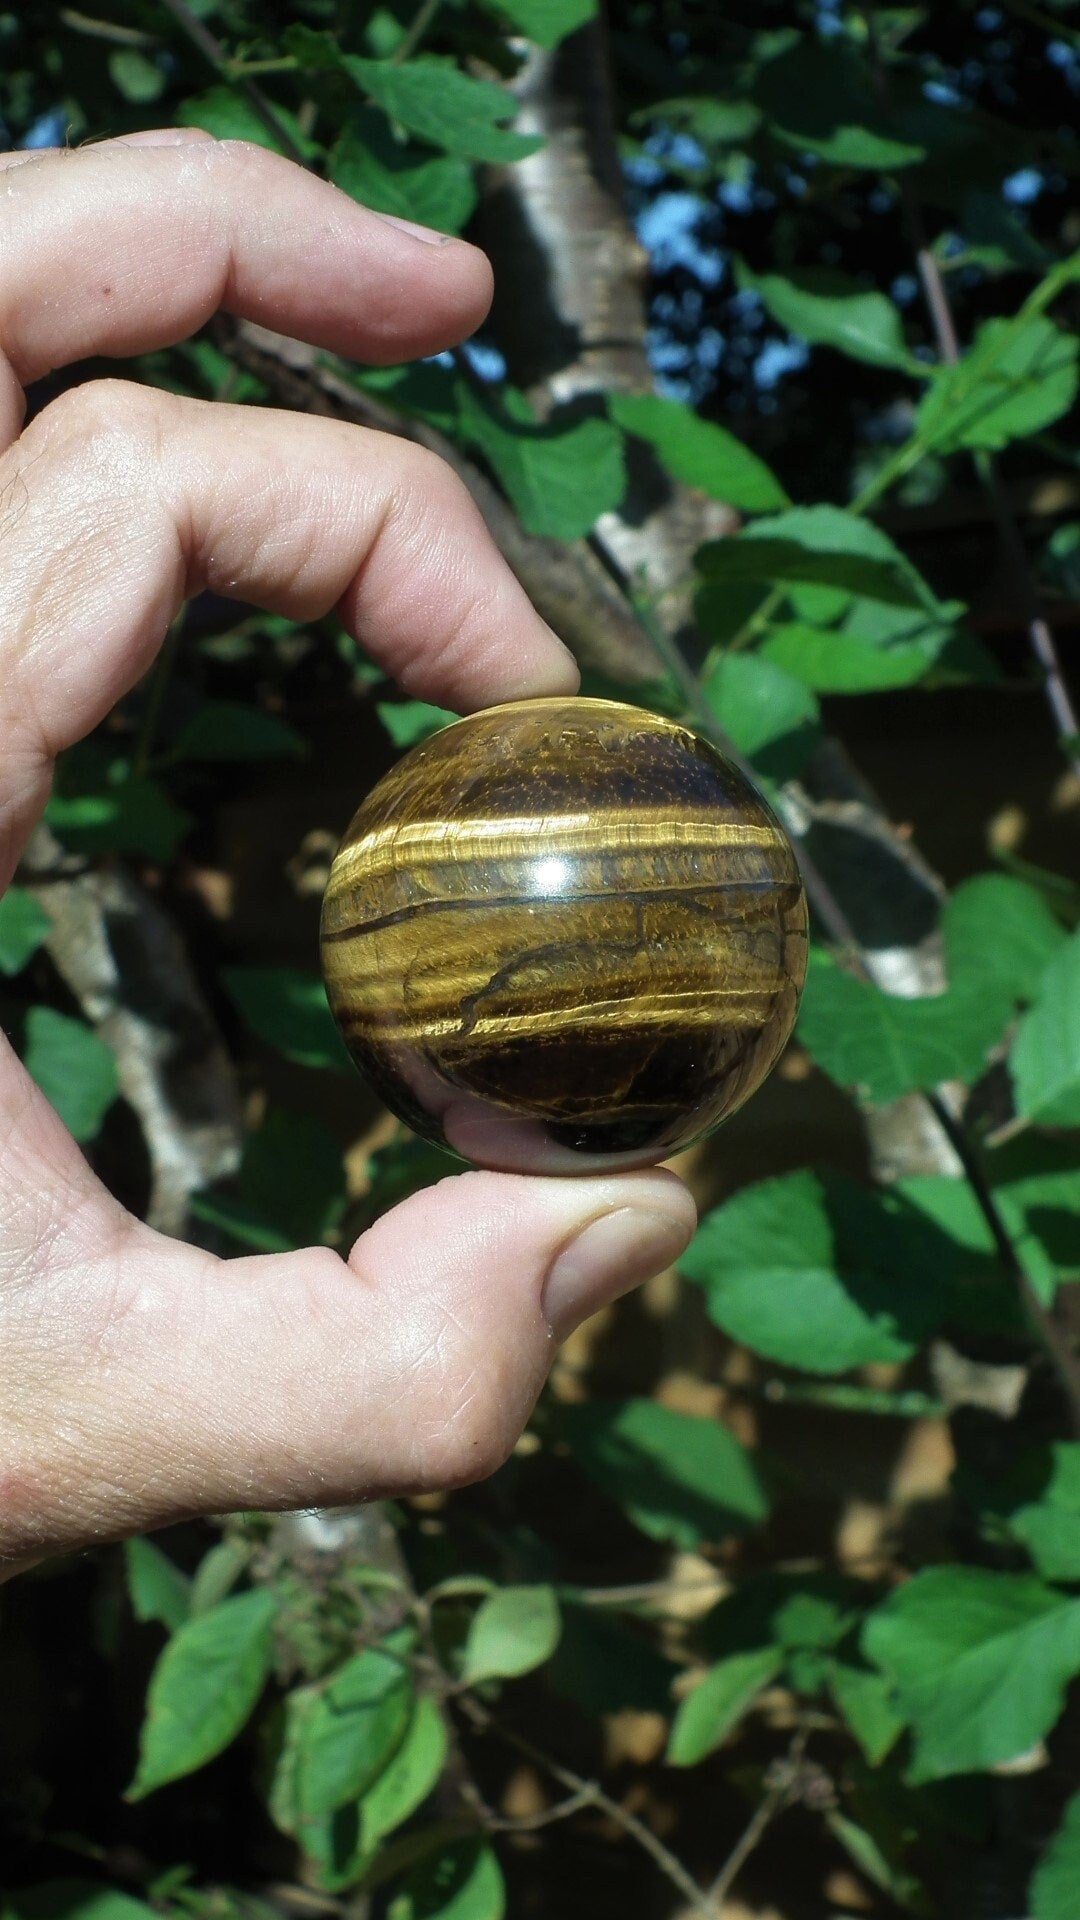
<point>996,236</point>
<point>603,1666</point>
<point>546,21</point>
<point>412,1774</point>
<point>1000,940</point>
<point>718,1702</point>
<point>1045,1059</point>
<point>1017,378</point>
<point>820,1273</point>
<point>819,547</point>
<point>1000,932</point>
<point>291,1187</point>
<point>870,1857</point>
<point>831,660</point>
<point>380,172</point>
<point>228,115</point>
<point>217,1574</point>
<point>287,1008</point>
<point>830,309</point>
<point>139,80</point>
<point>229,730</point>
<point>803,1615</point>
<point>1036,1181</point>
<point>884,1046</point>
<point>73,1067</point>
<point>203,1688</point>
<point>464,1882</point>
<point>1053,1888</point>
<point>677,1476</point>
<point>354,1728</point>
<point>1050,1526</point>
<point>770,716</point>
<point>99,805</point>
<point>514,1630</point>
<point>74,1900</point>
<point>865,1701</point>
<point>698,452</point>
<point>980,1662</point>
<point>156,1587</point>
<point>559,478</point>
<point>820,97</point>
<point>24,926</point>
<point>408,721</point>
<point>429,97</point>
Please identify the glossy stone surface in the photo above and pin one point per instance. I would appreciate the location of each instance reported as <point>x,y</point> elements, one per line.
<point>564,934</point>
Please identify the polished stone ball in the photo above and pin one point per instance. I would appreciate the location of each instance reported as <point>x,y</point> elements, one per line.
<point>564,935</point>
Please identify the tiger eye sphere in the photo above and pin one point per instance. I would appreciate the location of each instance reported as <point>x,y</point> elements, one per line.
<point>564,935</point>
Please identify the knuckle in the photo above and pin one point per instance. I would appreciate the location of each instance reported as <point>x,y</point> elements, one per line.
<point>109,410</point>
<point>477,1438</point>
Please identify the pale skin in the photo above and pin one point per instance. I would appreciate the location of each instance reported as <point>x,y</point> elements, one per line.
<point>142,1380</point>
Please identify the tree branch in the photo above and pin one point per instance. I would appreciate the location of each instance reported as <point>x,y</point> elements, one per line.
<point>589,1793</point>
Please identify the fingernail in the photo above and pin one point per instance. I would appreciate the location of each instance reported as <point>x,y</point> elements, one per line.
<point>160,137</point>
<point>607,1258</point>
<point>427,234</point>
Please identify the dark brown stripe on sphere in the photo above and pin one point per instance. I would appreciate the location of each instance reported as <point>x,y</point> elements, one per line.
<point>571,911</point>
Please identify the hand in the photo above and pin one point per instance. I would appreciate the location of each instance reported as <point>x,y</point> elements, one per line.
<point>142,1380</point>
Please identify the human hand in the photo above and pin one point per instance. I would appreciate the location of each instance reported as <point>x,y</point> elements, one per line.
<point>142,1380</point>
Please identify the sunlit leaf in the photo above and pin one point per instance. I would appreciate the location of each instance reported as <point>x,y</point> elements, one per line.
<point>718,1702</point>
<point>698,452</point>
<point>514,1630</point>
<point>560,478</point>
<point>830,309</point>
<point>1045,1060</point>
<point>677,1476</point>
<point>1054,1887</point>
<point>980,1662</point>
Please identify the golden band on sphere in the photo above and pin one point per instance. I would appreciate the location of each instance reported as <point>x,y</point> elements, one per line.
<point>564,933</point>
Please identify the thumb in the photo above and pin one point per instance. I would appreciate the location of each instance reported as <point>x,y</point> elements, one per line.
<point>157,1382</point>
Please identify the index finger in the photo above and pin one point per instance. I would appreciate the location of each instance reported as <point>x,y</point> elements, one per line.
<point>126,246</point>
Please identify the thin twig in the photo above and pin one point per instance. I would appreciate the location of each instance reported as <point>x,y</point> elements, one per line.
<point>413,35</point>
<point>213,51</point>
<point>1040,638</point>
<point>106,30</point>
<point>160,675</point>
<point>589,1793</point>
<point>780,1795</point>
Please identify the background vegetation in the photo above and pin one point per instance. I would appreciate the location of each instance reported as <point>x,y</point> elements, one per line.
<point>777,1607</point>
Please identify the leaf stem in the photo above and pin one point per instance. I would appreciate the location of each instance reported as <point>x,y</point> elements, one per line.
<point>414,33</point>
<point>160,675</point>
<point>1056,1347</point>
<point>1040,638</point>
<point>107,30</point>
<point>214,53</point>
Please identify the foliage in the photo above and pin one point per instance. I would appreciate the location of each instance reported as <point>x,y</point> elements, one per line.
<point>342,1710</point>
